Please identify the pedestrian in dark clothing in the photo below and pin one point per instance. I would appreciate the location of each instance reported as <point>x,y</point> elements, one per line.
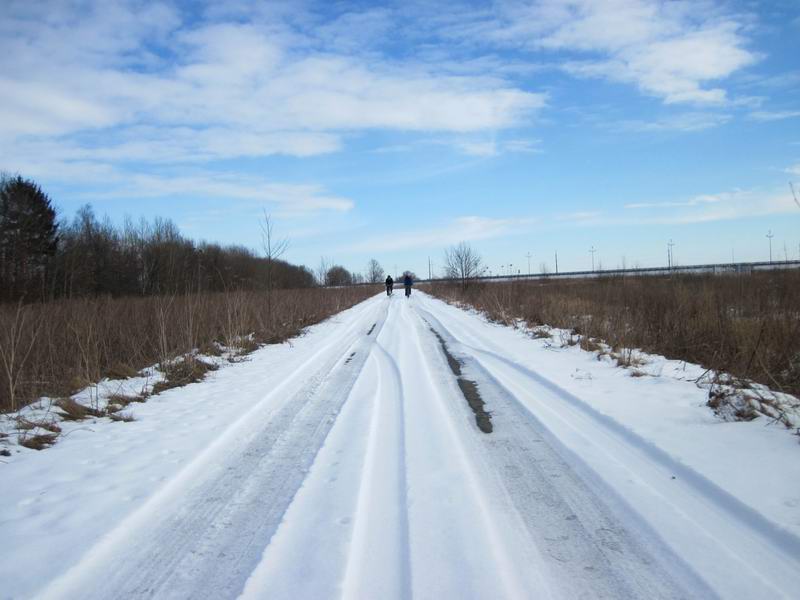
<point>408,282</point>
<point>389,285</point>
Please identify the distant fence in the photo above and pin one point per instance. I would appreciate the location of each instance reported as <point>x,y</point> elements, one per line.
<point>714,269</point>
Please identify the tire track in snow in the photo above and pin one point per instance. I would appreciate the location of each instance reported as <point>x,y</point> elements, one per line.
<point>202,535</point>
<point>586,548</point>
<point>767,554</point>
<point>345,533</point>
<point>378,562</point>
<point>463,542</point>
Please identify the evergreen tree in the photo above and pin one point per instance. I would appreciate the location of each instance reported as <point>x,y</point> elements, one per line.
<point>28,238</point>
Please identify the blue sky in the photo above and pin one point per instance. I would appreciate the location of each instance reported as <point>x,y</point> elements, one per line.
<point>395,130</point>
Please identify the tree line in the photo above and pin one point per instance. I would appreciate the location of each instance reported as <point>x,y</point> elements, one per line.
<point>46,258</point>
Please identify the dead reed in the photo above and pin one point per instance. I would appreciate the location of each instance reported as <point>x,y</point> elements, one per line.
<point>747,325</point>
<point>56,348</point>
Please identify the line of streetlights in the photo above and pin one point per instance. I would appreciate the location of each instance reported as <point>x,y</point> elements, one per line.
<point>593,250</point>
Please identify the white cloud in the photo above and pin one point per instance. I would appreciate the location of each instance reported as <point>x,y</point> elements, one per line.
<point>694,201</point>
<point>97,86</point>
<point>477,148</point>
<point>723,206</point>
<point>523,146</point>
<point>794,169</point>
<point>467,228</point>
<point>281,199</point>
<point>774,115</point>
<point>471,146</point>
<point>230,78</point>
<point>580,216</point>
<point>673,50</point>
<point>686,122</point>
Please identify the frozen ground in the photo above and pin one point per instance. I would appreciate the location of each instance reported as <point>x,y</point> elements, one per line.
<point>349,464</point>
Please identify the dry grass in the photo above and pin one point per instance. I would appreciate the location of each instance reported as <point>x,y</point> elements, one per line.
<point>747,325</point>
<point>58,348</point>
<point>74,411</point>
<point>38,441</point>
<point>183,372</point>
<point>120,371</point>
<point>123,400</point>
<point>23,424</point>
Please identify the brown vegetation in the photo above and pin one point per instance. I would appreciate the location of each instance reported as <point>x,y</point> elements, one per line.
<point>746,325</point>
<point>55,348</point>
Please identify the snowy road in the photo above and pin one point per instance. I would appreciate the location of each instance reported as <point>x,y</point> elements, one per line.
<point>361,473</point>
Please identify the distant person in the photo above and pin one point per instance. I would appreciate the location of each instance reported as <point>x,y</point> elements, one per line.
<point>408,282</point>
<point>389,285</point>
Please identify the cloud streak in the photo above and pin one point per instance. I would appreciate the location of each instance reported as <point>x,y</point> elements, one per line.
<point>461,229</point>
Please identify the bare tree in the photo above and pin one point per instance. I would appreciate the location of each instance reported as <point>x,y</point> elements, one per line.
<point>374,271</point>
<point>273,250</point>
<point>322,270</point>
<point>462,262</point>
<point>338,276</point>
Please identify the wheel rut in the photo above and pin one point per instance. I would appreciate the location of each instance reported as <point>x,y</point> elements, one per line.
<point>584,545</point>
<point>211,544</point>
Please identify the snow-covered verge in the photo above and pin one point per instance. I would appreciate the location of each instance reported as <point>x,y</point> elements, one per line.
<point>680,408</point>
<point>59,502</point>
<point>731,398</point>
<point>41,424</point>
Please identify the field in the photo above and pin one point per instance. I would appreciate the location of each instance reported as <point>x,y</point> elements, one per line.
<point>745,325</point>
<point>387,452</point>
<point>57,348</point>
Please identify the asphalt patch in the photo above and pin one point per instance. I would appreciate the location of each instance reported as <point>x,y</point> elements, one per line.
<point>469,389</point>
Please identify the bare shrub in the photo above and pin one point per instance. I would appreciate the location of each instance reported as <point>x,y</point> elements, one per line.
<point>17,338</point>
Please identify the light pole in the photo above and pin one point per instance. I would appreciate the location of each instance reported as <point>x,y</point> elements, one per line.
<point>670,260</point>
<point>769,237</point>
<point>592,251</point>
<point>529,263</point>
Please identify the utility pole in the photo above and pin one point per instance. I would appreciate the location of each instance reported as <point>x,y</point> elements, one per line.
<point>556,262</point>
<point>769,237</point>
<point>510,269</point>
<point>670,262</point>
<point>529,263</point>
<point>592,251</point>
<point>429,268</point>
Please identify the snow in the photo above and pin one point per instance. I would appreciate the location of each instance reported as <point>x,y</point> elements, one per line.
<point>348,464</point>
